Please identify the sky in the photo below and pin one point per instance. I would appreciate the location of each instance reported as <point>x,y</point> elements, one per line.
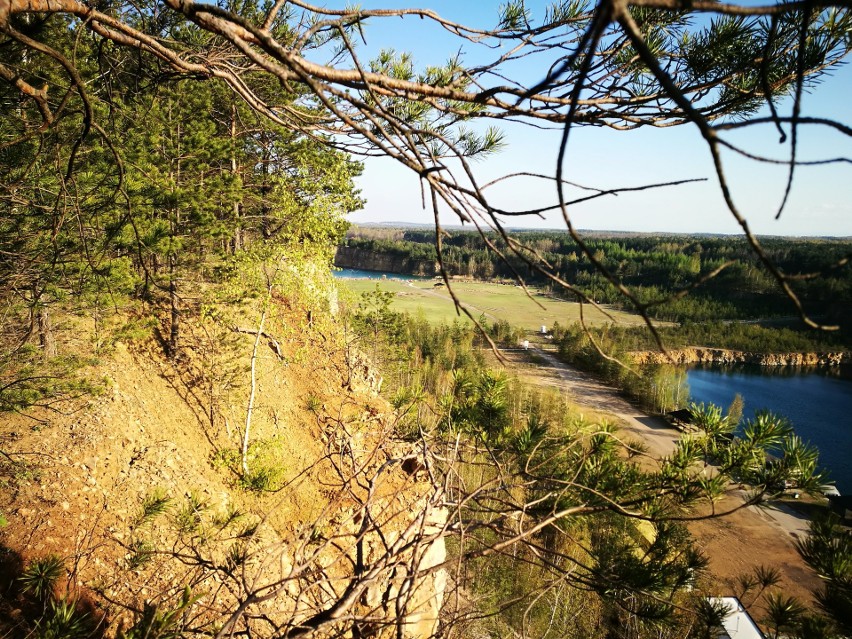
<point>820,203</point>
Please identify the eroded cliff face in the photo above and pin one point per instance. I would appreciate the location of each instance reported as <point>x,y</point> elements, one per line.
<point>336,526</point>
<point>347,257</point>
<point>702,355</point>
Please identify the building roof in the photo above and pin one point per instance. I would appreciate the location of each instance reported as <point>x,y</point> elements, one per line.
<point>738,624</point>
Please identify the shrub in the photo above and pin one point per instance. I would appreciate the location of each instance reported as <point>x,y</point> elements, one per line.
<point>41,575</point>
<point>263,479</point>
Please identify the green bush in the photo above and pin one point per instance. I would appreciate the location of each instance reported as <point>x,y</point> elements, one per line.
<point>41,575</point>
<point>64,620</point>
<point>263,479</point>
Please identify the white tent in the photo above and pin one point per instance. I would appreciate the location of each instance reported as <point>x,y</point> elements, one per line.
<point>737,624</point>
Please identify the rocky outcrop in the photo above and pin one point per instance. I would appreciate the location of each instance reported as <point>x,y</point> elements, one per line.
<point>411,599</point>
<point>703,355</point>
<point>363,376</point>
<point>348,257</point>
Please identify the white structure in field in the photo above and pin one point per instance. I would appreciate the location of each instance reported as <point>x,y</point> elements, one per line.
<point>737,624</point>
<point>543,329</point>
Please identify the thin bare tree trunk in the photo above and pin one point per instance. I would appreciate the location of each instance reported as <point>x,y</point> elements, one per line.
<point>174,329</point>
<point>250,408</point>
<point>45,333</point>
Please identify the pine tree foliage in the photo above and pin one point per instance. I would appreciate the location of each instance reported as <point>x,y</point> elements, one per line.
<point>142,187</point>
<point>598,542</point>
<point>828,550</point>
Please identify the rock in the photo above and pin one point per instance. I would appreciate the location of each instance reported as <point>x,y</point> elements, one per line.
<point>424,594</point>
<point>362,375</point>
<point>361,259</point>
<point>703,355</point>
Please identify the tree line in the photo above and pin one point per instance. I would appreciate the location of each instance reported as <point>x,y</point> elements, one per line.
<point>656,268</point>
<point>142,192</point>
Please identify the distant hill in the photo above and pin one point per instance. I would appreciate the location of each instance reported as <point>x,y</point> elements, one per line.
<point>590,232</point>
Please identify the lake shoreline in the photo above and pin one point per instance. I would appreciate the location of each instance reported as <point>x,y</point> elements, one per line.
<point>734,544</point>
<point>725,356</point>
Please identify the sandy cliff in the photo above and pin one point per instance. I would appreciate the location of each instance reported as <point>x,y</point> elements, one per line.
<point>347,257</point>
<point>329,527</point>
<point>703,355</point>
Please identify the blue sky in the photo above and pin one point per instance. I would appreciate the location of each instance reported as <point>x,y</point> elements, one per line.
<point>820,204</point>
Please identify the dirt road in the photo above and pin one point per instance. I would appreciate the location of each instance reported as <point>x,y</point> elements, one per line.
<point>585,390</point>
<point>747,538</point>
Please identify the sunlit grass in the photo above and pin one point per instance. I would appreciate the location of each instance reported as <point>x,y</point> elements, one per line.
<point>495,301</point>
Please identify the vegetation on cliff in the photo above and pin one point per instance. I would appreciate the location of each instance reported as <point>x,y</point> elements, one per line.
<point>198,189</point>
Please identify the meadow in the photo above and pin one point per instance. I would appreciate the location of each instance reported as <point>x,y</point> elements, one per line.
<point>496,301</point>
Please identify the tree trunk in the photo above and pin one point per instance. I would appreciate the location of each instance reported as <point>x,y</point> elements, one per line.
<point>237,241</point>
<point>45,333</point>
<point>250,407</point>
<point>174,329</point>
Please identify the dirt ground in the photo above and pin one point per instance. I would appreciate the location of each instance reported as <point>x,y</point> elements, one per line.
<point>79,481</point>
<point>73,483</point>
<point>734,544</point>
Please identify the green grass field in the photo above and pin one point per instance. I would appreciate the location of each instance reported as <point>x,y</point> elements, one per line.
<point>496,301</point>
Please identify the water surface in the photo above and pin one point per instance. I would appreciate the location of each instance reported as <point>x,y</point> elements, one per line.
<point>359,274</point>
<point>817,401</point>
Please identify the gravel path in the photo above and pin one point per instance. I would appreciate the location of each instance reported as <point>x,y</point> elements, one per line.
<point>585,390</point>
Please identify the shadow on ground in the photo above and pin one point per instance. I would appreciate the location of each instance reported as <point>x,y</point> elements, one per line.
<point>24,614</point>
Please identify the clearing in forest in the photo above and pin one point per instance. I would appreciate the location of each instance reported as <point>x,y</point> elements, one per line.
<point>496,301</point>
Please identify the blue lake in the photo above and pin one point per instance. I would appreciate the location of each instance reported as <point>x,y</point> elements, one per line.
<point>817,401</point>
<point>358,274</point>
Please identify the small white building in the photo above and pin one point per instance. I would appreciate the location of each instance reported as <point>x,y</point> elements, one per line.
<point>737,624</point>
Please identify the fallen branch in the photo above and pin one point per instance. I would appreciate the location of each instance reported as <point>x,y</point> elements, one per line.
<point>273,343</point>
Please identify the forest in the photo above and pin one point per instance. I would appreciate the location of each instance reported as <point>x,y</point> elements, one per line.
<point>177,186</point>
<point>659,269</point>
